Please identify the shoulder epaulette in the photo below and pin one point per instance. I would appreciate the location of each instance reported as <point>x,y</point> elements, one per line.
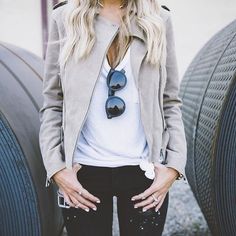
<point>165,7</point>
<point>59,4</point>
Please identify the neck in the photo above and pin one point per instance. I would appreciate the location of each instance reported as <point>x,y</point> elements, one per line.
<point>112,3</point>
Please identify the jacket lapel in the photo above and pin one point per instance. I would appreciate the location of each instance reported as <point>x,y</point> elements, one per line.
<point>137,53</point>
<point>138,48</point>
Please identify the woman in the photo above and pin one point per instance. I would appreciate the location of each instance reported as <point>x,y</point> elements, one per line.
<point>111,121</point>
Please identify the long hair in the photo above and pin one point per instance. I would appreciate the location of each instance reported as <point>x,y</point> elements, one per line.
<point>80,33</point>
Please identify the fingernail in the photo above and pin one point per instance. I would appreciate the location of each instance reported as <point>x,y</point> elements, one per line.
<point>86,209</point>
<point>144,209</point>
<point>98,201</point>
<point>94,208</point>
<point>135,206</point>
<point>132,199</point>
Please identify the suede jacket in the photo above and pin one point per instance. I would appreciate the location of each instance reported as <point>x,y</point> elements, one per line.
<point>67,94</point>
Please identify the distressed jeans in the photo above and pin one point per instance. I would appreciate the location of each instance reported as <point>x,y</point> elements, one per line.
<point>122,182</point>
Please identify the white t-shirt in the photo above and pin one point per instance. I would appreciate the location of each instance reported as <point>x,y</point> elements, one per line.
<point>118,141</point>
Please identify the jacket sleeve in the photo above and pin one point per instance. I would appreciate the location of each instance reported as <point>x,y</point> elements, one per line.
<point>50,114</point>
<point>176,150</point>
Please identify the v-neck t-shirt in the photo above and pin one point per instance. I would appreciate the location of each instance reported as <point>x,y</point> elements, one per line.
<point>118,141</point>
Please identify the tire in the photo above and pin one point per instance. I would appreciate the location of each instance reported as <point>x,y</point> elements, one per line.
<point>27,206</point>
<point>208,92</point>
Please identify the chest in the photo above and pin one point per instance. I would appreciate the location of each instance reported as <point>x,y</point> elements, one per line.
<point>112,52</point>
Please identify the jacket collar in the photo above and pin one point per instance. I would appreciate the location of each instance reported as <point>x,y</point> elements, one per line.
<point>135,29</point>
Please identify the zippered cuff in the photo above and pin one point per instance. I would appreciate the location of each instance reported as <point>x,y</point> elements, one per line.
<point>48,181</point>
<point>163,160</point>
<point>181,172</point>
<point>176,162</point>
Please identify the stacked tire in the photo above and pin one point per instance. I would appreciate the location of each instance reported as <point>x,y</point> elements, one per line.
<point>28,208</point>
<point>208,91</point>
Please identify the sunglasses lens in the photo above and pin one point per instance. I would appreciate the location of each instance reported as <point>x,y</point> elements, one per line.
<point>115,106</point>
<point>117,80</point>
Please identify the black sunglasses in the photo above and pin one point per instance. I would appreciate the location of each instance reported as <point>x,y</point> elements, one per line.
<point>116,80</point>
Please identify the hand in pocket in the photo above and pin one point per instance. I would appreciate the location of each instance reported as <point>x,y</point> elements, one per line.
<point>74,193</point>
<point>154,196</point>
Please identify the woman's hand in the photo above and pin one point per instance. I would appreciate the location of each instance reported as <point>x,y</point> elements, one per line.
<point>154,196</point>
<point>74,193</point>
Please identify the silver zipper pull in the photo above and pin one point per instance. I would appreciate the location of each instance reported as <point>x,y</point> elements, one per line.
<point>48,182</point>
<point>161,159</point>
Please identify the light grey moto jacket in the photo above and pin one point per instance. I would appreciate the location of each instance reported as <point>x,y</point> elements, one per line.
<point>67,94</point>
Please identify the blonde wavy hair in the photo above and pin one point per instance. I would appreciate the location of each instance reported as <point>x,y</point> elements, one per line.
<point>80,33</point>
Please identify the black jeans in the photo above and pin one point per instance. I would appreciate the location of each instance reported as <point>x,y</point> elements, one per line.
<point>122,182</point>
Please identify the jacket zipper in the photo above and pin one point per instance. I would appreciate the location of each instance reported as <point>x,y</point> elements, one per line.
<point>162,156</point>
<point>162,115</point>
<point>92,94</point>
<point>64,112</point>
